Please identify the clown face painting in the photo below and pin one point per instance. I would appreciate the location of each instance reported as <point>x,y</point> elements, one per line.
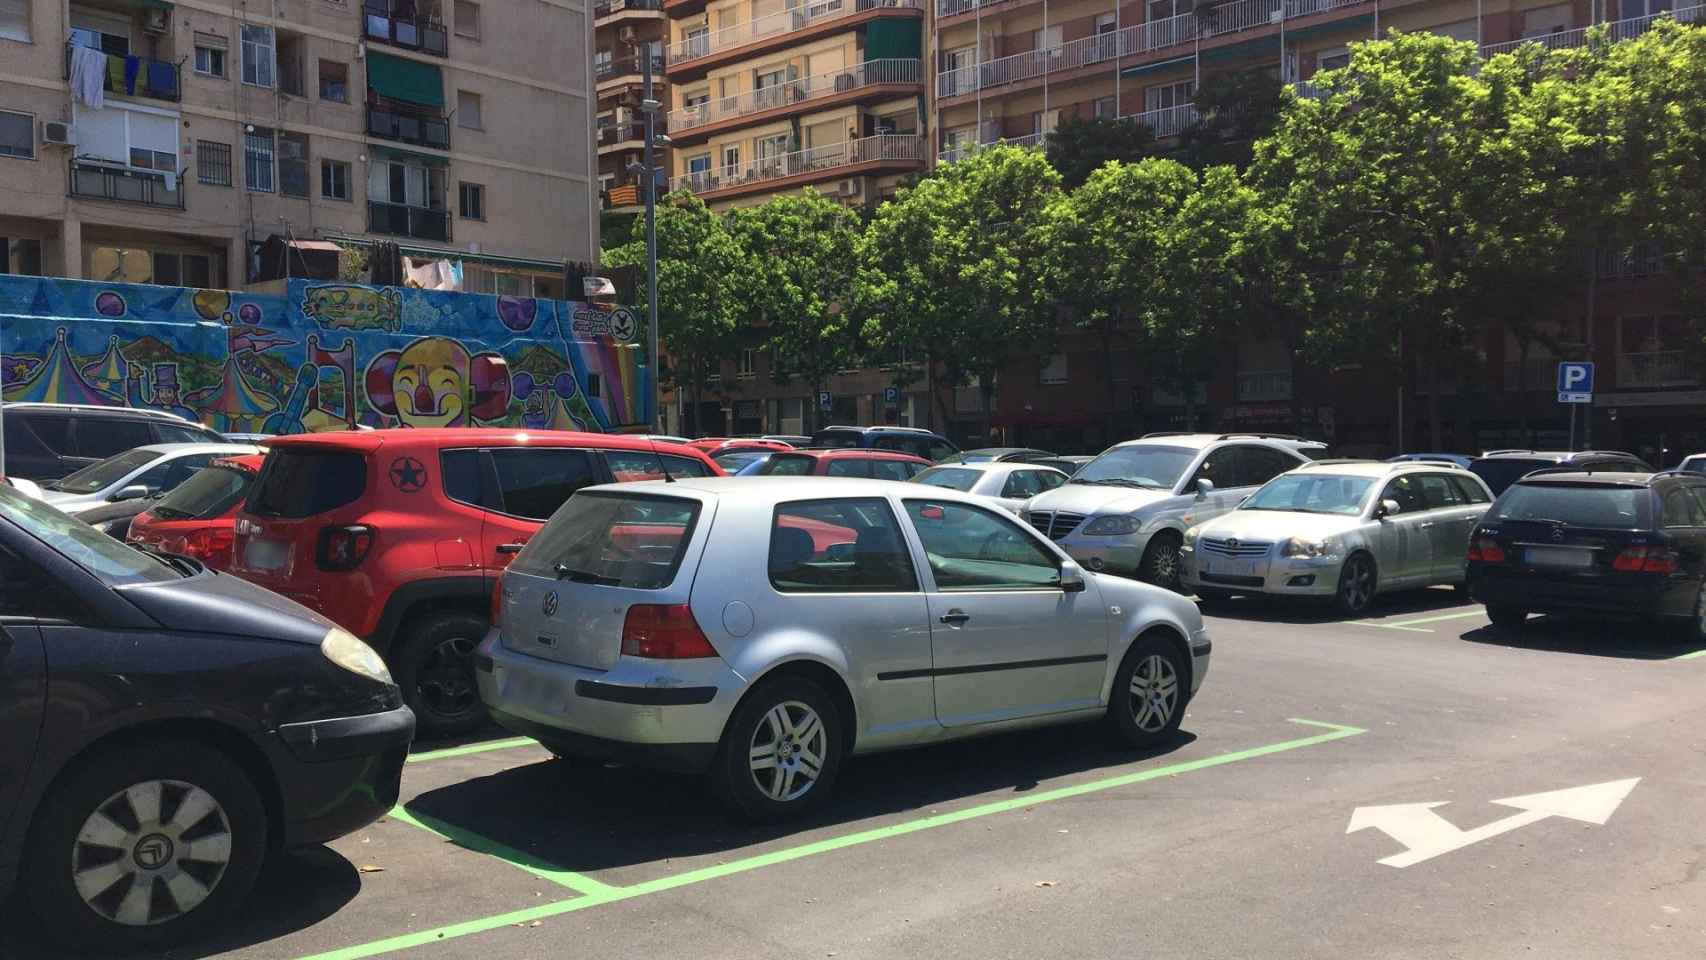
<point>436,382</point>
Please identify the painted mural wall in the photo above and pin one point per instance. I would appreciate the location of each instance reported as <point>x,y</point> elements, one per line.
<point>324,356</point>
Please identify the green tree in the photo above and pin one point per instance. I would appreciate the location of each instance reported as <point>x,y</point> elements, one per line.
<point>699,291</point>
<point>1234,110</point>
<point>1078,148</point>
<point>950,268</point>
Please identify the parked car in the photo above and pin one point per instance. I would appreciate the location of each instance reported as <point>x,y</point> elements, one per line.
<point>1501,468</point>
<point>199,518</point>
<point>114,519</point>
<point>1345,530</point>
<point>137,474</point>
<point>1458,459</point>
<point>1068,465</point>
<point>46,441</point>
<point>1594,543</point>
<point>1126,511</point>
<point>1693,463</point>
<point>791,439</point>
<point>399,535</point>
<point>165,730</point>
<point>248,437</point>
<point>999,455</point>
<point>874,464</point>
<point>734,461</point>
<point>1008,484</point>
<point>763,632</point>
<point>751,468</point>
<point>919,443</point>
<point>28,488</point>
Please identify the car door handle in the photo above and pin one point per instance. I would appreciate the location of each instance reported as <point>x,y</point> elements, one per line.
<point>1425,526</point>
<point>511,547</point>
<point>955,617</point>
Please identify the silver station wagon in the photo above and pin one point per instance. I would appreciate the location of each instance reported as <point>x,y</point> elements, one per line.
<point>761,630</point>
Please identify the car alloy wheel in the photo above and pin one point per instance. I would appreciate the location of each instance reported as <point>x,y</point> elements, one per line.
<point>151,852</point>
<point>1356,584</point>
<point>445,682</point>
<point>1154,693</point>
<point>787,752</point>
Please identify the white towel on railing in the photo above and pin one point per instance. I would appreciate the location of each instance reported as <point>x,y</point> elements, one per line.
<point>88,75</point>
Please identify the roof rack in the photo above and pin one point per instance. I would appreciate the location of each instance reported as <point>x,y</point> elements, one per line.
<point>1170,433</point>
<point>1258,435</point>
<point>1332,461</point>
<point>1494,453</point>
<point>1425,461</point>
<point>103,407</point>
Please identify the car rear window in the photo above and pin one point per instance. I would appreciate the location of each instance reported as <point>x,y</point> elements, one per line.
<point>953,478</point>
<point>783,465</point>
<point>617,540</point>
<point>303,483</point>
<point>1582,505</point>
<point>628,466</point>
<point>208,493</point>
<point>535,481</point>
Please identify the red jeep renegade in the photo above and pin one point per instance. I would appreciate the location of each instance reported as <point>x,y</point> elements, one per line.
<point>398,535</point>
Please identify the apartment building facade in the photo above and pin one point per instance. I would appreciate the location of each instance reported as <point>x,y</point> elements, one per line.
<point>209,144</point>
<point>627,34</point>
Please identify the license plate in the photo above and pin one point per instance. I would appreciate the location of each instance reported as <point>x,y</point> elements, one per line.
<point>1558,557</point>
<point>539,692</point>
<point>265,554</point>
<point>1232,568</point>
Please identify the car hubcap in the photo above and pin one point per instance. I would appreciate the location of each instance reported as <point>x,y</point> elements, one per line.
<point>787,751</point>
<point>1166,564</point>
<point>1154,693</point>
<point>151,852</point>
<point>446,678</point>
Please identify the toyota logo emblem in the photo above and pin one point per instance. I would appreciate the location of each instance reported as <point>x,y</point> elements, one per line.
<point>549,606</point>
<point>1557,533</point>
<point>1231,544</point>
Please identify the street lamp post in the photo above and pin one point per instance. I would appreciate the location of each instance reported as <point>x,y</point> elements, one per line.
<point>650,106</point>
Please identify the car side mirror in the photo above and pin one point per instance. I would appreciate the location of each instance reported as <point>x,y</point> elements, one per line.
<point>1071,577</point>
<point>1205,487</point>
<point>1386,509</point>
<point>135,491</point>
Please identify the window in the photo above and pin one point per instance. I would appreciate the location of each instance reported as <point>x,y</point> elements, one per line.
<point>1162,9</point>
<point>207,494</point>
<point>1542,21</point>
<point>1407,492</point>
<point>334,179</point>
<point>1049,479</point>
<point>1334,59</point>
<point>258,160</point>
<point>622,540</point>
<point>748,367</point>
<point>1054,368</point>
<point>1470,491</point>
<point>848,468</point>
<point>1258,465</point>
<point>293,164</point>
<point>15,20</point>
<point>534,482</point>
<point>17,135</point>
<point>141,158</point>
<point>463,473</point>
<point>839,546</point>
<point>731,158</point>
<point>209,55</point>
<point>407,184</point>
<point>1679,509</point>
<point>630,465</point>
<point>1439,492</point>
<point>213,163</point>
<point>298,484</point>
<point>1104,108</point>
<point>102,437</point>
<point>116,42</point>
<point>700,163</point>
<point>1022,485</point>
<point>1169,95</point>
<point>168,475</point>
<point>1217,468</point>
<point>21,256</point>
<point>334,81</point>
<point>172,433</point>
<point>472,200</point>
<point>785,465</point>
<point>953,478</point>
<point>1105,23</point>
<point>258,59</point>
<point>467,14</point>
<point>972,549</point>
<point>468,111</point>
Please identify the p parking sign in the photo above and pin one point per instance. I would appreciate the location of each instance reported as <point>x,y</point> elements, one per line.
<point>1575,382</point>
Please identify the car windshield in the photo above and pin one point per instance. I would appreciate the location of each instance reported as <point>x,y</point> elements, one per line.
<point>209,493</point>
<point>1141,466</point>
<point>113,562</point>
<point>1581,505</point>
<point>1312,493</point>
<point>951,477</point>
<point>616,540</point>
<point>99,476</point>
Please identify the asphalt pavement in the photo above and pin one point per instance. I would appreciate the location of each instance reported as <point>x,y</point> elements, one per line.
<point>1236,841</point>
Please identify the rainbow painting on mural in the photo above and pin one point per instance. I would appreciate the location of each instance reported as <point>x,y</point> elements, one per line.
<point>324,356</point>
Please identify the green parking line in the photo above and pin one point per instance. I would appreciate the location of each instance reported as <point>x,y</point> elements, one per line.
<point>614,894</point>
<point>471,748</point>
<point>526,861</point>
<point>1691,656</point>
<point>1412,625</point>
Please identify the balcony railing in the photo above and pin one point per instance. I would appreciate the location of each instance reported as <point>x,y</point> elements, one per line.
<point>627,66</point>
<point>100,182</point>
<point>402,220</point>
<point>605,8</point>
<point>883,146</point>
<point>615,133</point>
<point>1642,261</point>
<point>784,21</point>
<point>1662,368</point>
<point>421,129</point>
<point>157,79</point>
<point>1166,121</point>
<point>960,151</point>
<point>1263,386</point>
<point>1617,30</point>
<point>411,33</point>
<point>869,73</point>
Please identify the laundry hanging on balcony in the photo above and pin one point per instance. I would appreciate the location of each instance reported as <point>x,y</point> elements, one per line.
<point>88,76</point>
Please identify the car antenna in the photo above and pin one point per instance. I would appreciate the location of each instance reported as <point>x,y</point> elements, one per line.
<point>661,465</point>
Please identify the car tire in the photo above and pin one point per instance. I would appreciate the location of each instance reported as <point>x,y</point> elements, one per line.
<point>764,785</point>
<point>1212,599</point>
<point>95,839</point>
<point>1506,617</point>
<point>1150,693</point>
<point>1358,580</point>
<point>1694,626</point>
<point>1160,564</point>
<point>433,663</point>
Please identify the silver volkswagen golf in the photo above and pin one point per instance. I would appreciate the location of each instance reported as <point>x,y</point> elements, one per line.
<point>761,630</point>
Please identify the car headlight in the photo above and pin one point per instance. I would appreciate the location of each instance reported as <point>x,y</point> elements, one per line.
<point>1189,541</point>
<point>1299,547</point>
<point>353,654</point>
<point>1114,526</point>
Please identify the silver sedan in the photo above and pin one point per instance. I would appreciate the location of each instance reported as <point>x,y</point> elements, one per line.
<point>1009,485</point>
<point>762,630</point>
<point>1340,530</point>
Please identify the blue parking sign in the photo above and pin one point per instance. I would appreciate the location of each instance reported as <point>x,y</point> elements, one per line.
<point>1575,382</point>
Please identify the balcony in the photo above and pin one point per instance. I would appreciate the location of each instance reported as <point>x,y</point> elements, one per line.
<point>155,79</point>
<point>828,14</point>
<point>633,66</point>
<point>1662,368</point>
<point>1167,121</point>
<point>610,8</point>
<point>428,35</point>
<point>885,150</point>
<point>421,129</point>
<point>618,134</point>
<point>840,86</point>
<point>402,220</point>
<point>1263,386</point>
<point>960,151</point>
<point>1616,30</point>
<point>94,181</point>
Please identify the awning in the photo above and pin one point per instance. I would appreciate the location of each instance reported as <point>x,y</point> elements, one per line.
<point>1144,68</point>
<point>1364,22</point>
<point>894,39</point>
<point>408,80</point>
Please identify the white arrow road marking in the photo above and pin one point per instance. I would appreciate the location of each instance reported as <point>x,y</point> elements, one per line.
<point>1425,834</point>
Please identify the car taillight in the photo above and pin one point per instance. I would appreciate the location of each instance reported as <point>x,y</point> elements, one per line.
<point>343,548</point>
<point>209,543</point>
<point>143,518</point>
<point>1645,560</point>
<point>1486,551</point>
<point>664,632</point>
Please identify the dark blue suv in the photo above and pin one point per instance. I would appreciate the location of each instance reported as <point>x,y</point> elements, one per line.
<point>913,440</point>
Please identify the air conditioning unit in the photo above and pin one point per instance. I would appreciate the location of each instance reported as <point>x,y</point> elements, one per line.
<point>848,188</point>
<point>155,20</point>
<point>626,34</point>
<point>58,133</point>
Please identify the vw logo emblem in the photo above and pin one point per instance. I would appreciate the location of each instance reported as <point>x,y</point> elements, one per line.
<point>1231,544</point>
<point>549,606</point>
<point>1557,533</point>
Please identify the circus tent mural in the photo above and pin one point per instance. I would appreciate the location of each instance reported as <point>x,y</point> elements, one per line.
<point>56,379</point>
